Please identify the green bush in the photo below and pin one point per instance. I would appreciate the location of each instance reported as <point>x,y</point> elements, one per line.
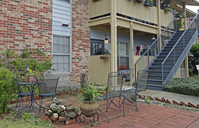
<point>187,86</point>
<point>7,88</point>
<point>194,59</point>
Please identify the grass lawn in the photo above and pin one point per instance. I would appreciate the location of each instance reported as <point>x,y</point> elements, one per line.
<point>26,121</point>
<point>187,86</point>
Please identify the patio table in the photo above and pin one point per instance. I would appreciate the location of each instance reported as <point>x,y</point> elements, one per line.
<point>31,86</point>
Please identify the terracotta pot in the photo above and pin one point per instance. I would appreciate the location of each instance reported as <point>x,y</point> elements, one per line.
<point>89,108</point>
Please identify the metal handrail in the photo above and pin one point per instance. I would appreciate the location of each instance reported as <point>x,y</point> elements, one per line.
<point>155,42</point>
<point>176,45</point>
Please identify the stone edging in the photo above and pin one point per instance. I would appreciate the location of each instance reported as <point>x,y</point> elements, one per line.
<point>170,101</point>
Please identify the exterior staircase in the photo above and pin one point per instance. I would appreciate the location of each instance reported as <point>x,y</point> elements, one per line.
<point>166,61</point>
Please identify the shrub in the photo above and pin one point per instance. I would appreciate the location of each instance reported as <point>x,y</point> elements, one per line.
<point>7,88</point>
<point>194,58</point>
<point>187,86</point>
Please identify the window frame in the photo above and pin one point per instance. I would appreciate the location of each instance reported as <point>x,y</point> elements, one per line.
<point>91,43</point>
<point>64,54</point>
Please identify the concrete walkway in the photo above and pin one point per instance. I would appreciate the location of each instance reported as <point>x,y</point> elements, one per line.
<point>171,96</point>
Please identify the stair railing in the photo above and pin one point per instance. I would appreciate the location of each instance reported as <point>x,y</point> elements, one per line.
<point>150,54</point>
<point>174,55</point>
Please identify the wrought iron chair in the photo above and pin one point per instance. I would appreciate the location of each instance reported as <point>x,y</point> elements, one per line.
<point>132,94</point>
<point>47,88</point>
<point>21,94</point>
<point>113,90</point>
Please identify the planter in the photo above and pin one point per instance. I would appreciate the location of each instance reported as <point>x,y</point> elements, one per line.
<point>148,3</point>
<point>89,108</point>
<point>104,57</point>
<point>139,1</point>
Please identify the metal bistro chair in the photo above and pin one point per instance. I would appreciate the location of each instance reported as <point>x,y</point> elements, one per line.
<point>21,94</point>
<point>47,88</point>
<point>132,94</point>
<point>113,90</point>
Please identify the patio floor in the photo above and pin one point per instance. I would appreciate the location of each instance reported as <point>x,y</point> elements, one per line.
<point>147,117</point>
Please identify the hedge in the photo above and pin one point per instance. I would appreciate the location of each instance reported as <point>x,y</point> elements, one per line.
<point>187,86</point>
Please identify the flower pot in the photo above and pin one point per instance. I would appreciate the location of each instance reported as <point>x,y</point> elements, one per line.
<point>89,108</point>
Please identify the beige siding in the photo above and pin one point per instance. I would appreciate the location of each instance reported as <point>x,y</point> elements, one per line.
<point>99,69</point>
<point>98,8</point>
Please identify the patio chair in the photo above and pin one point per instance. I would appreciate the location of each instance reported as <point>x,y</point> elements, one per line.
<point>113,90</point>
<point>132,94</point>
<point>47,88</point>
<point>21,94</point>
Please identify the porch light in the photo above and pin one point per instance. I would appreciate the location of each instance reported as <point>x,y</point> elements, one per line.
<point>153,38</point>
<point>106,40</point>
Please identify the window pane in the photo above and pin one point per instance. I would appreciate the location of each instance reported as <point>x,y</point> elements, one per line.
<point>61,47</point>
<point>61,63</point>
<point>61,44</point>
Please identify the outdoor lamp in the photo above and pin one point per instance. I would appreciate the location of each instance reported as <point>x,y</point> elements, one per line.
<point>106,40</point>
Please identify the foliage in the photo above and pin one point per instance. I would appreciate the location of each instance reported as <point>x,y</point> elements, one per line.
<point>187,86</point>
<point>90,93</point>
<point>19,64</point>
<point>27,121</point>
<point>167,10</point>
<point>194,59</point>
<point>83,80</point>
<point>7,88</point>
<point>180,22</point>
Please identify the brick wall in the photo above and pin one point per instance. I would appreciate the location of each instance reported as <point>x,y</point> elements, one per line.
<point>26,24</point>
<point>80,39</point>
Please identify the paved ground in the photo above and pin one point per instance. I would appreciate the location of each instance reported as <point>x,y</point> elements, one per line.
<point>147,117</point>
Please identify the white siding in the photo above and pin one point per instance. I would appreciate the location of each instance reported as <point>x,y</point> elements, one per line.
<point>62,14</point>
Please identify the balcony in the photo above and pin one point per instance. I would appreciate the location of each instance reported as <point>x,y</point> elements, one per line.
<point>130,9</point>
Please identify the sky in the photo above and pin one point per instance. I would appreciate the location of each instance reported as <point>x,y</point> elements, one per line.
<point>193,8</point>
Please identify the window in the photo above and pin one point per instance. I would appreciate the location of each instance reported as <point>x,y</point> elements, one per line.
<point>61,53</point>
<point>123,54</point>
<point>97,47</point>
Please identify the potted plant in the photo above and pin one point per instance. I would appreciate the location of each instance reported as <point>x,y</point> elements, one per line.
<point>89,97</point>
<point>139,1</point>
<point>180,22</point>
<point>148,3</point>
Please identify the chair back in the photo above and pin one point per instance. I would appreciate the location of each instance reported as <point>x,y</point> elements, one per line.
<point>17,85</point>
<point>114,84</point>
<point>47,85</point>
<point>141,81</point>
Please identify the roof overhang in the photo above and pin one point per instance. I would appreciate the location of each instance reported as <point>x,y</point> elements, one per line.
<point>186,2</point>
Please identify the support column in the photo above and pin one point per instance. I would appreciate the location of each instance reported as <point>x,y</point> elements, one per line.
<point>159,23</point>
<point>113,36</point>
<point>132,55</point>
<point>186,65</point>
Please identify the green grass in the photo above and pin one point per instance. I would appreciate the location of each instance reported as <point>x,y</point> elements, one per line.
<point>187,86</point>
<point>26,121</point>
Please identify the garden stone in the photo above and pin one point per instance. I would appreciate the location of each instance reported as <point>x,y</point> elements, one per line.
<point>56,101</point>
<point>48,113</point>
<point>71,114</point>
<point>76,110</point>
<point>62,114</point>
<point>70,108</point>
<point>55,115</point>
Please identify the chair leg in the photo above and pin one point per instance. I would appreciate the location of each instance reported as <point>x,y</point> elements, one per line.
<point>40,103</point>
<point>17,104</point>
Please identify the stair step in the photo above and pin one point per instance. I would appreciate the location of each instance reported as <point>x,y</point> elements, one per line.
<point>160,67</point>
<point>151,87</point>
<point>154,82</point>
<point>156,77</point>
